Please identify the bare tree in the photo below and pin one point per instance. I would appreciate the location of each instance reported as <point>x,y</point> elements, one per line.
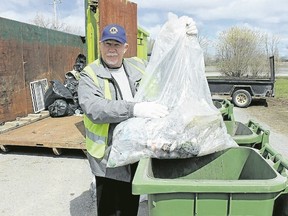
<point>50,23</point>
<point>242,51</point>
<point>39,20</point>
<point>271,45</point>
<point>205,44</point>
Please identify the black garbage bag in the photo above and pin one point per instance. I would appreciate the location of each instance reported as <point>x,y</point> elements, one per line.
<point>72,107</point>
<point>56,91</point>
<point>60,108</point>
<point>71,82</point>
<point>80,63</point>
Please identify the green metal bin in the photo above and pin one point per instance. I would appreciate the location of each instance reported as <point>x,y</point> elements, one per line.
<point>236,181</point>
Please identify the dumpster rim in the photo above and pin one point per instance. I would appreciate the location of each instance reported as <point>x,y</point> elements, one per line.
<point>144,184</point>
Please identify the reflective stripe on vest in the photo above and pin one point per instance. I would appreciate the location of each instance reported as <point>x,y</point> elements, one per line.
<point>96,134</point>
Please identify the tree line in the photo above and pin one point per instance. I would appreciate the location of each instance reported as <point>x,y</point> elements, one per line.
<point>239,51</point>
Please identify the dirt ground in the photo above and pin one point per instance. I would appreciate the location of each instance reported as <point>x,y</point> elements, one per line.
<point>273,112</point>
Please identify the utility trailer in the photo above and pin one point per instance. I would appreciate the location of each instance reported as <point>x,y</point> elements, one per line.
<point>241,90</point>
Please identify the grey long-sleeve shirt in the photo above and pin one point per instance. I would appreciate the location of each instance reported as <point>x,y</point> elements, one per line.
<point>101,110</point>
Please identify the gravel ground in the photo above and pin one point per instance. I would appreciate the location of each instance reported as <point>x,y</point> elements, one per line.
<point>35,182</point>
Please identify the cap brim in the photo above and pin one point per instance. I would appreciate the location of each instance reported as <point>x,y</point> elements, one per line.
<point>113,38</point>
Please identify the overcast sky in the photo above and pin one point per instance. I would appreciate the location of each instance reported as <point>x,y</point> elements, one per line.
<point>211,16</point>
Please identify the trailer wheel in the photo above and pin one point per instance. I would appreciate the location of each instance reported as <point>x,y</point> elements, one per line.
<point>4,148</point>
<point>241,98</point>
<point>57,151</point>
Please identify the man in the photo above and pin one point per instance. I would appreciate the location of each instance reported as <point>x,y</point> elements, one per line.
<point>105,92</point>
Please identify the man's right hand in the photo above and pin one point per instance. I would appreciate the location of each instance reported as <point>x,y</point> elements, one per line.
<point>150,110</point>
<point>191,28</point>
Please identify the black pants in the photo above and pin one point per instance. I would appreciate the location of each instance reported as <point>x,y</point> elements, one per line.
<point>114,198</point>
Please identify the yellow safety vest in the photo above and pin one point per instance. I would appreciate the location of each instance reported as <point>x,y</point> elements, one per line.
<point>97,134</point>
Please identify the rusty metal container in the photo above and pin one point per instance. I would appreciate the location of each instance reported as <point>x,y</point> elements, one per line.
<point>30,53</point>
<point>101,13</point>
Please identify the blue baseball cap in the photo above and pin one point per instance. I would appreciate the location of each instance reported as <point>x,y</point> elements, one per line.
<point>114,32</point>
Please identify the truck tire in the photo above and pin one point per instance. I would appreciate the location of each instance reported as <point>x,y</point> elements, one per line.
<point>241,98</point>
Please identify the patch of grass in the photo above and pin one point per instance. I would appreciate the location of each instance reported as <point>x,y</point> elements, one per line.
<point>281,88</point>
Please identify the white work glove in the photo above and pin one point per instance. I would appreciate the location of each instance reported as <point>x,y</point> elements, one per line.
<point>191,28</point>
<point>150,110</point>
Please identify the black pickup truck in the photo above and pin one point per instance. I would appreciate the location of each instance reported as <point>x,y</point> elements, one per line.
<point>242,91</point>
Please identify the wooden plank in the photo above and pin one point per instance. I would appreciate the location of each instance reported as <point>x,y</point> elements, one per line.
<point>64,132</point>
<point>19,122</point>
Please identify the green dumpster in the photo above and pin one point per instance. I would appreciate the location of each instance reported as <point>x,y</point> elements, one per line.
<point>236,181</point>
<point>250,134</point>
<point>225,107</point>
<point>280,164</point>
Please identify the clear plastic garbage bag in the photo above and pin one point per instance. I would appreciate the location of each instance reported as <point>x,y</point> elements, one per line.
<point>175,77</point>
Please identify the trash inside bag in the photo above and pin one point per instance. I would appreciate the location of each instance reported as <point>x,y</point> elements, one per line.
<point>175,77</point>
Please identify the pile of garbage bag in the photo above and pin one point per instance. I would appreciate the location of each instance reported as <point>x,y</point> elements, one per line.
<point>175,77</point>
<point>61,99</point>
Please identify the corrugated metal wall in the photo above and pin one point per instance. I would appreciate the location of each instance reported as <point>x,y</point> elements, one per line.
<point>29,53</point>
